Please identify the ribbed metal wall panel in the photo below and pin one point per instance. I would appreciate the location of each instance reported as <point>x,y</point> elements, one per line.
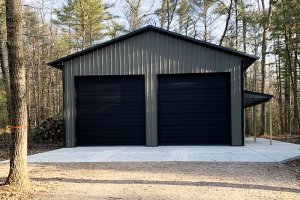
<point>149,54</point>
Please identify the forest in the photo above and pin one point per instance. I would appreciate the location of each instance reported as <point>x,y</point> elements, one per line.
<point>268,29</point>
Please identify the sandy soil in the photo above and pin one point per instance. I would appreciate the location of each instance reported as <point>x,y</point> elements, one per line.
<point>173,180</point>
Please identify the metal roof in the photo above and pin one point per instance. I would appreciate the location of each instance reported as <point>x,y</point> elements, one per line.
<point>249,59</point>
<point>255,98</point>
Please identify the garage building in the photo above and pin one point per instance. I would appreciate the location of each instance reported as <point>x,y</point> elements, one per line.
<point>155,87</point>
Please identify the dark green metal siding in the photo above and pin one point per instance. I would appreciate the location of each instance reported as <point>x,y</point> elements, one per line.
<point>152,53</point>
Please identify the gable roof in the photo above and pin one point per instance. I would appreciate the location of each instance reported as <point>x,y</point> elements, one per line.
<point>248,59</point>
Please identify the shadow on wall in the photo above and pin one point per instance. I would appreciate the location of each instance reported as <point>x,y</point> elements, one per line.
<point>175,183</point>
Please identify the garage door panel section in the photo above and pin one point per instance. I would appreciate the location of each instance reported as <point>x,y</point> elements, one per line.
<point>194,109</point>
<point>110,110</point>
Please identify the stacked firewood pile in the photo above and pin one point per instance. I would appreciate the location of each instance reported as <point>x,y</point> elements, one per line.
<point>50,130</point>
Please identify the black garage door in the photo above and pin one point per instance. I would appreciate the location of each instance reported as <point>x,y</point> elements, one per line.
<point>194,109</point>
<point>110,110</point>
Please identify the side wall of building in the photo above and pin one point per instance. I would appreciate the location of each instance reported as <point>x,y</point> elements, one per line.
<point>149,54</point>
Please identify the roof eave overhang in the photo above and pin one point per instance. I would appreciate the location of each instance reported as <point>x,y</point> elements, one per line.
<point>57,65</point>
<point>255,98</point>
<point>247,62</point>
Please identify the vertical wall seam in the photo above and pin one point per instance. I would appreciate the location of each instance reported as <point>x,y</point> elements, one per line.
<point>151,54</point>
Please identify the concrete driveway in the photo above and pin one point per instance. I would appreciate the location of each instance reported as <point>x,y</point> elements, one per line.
<point>259,151</point>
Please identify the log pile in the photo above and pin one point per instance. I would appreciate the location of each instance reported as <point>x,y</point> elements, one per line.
<point>50,130</point>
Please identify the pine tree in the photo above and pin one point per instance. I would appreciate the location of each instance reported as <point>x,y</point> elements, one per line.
<point>204,14</point>
<point>83,20</point>
<point>166,13</point>
<point>184,18</point>
<point>18,176</point>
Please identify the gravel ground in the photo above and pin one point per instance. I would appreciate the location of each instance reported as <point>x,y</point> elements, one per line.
<point>161,180</point>
<point>295,167</point>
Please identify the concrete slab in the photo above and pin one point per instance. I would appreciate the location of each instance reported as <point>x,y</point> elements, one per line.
<point>259,151</point>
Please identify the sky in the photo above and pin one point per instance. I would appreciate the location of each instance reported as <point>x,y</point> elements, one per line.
<point>118,9</point>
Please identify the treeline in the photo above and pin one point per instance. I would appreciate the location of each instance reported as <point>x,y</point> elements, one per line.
<point>265,28</point>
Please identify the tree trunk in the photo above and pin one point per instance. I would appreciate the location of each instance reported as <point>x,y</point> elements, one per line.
<point>205,23</point>
<point>296,106</point>
<point>4,67</point>
<point>254,110</point>
<point>287,102</point>
<point>227,23</point>
<point>4,61</point>
<point>18,176</point>
<point>293,76</point>
<point>236,24</point>
<point>247,111</point>
<point>266,25</point>
<point>168,15</point>
<point>170,12</point>
<point>263,75</point>
<point>279,90</point>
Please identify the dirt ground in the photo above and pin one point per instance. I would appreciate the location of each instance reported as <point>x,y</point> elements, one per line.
<point>160,180</point>
<point>295,166</point>
<point>284,138</point>
<point>33,148</point>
